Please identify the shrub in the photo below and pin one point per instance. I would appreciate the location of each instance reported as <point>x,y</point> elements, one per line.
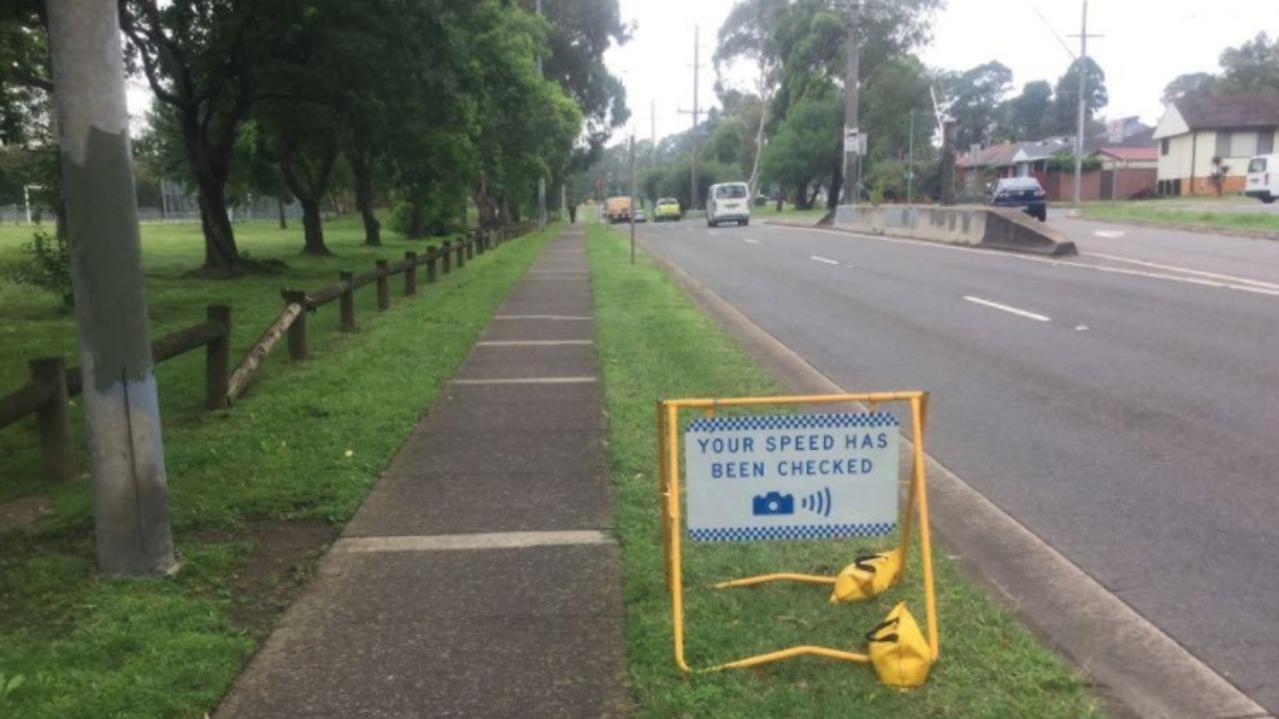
<point>46,267</point>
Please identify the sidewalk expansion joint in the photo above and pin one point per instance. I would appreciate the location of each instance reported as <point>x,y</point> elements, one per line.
<point>563,318</point>
<point>529,380</point>
<point>532,343</point>
<point>462,542</point>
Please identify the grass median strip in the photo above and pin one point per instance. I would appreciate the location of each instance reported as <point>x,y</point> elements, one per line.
<point>255,492</point>
<point>1184,217</point>
<point>653,342</point>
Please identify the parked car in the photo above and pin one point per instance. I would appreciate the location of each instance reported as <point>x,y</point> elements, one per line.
<point>667,209</point>
<point>728,202</point>
<point>1023,193</point>
<point>640,216</point>
<point>1263,178</point>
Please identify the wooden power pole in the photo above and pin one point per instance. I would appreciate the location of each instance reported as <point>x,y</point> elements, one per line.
<point>852,139</point>
<point>121,403</point>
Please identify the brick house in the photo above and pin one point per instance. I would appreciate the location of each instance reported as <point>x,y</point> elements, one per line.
<point>1194,130</point>
<point>1127,172</point>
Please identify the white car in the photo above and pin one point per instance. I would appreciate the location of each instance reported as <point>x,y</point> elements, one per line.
<point>1263,178</point>
<point>728,202</point>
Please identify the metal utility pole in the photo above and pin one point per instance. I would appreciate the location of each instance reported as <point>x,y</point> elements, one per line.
<point>696,111</point>
<point>948,162</point>
<point>910,160</point>
<point>121,404</point>
<point>633,205</point>
<point>1083,86</point>
<point>852,73</point>
<point>541,181</point>
<point>1081,64</point>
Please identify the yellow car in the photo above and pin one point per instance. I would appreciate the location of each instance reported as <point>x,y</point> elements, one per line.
<point>667,209</point>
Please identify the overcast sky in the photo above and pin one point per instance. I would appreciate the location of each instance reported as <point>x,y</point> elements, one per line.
<point>1147,43</point>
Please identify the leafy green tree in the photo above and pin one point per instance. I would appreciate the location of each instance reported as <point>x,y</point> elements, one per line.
<point>804,144</point>
<point>1191,84</point>
<point>1029,114</point>
<point>975,97</point>
<point>203,60</point>
<point>1251,68</point>
<point>1066,106</point>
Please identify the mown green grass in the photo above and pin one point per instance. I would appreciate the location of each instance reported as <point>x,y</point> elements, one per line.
<point>654,343</point>
<point>789,212</point>
<point>1158,213</point>
<point>303,446</point>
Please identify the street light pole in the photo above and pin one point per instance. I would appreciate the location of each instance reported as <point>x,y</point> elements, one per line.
<point>121,403</point>
<point>1083,86</point>
<point>633,193</point>
<point>852,157</point>
<point>910,160</point>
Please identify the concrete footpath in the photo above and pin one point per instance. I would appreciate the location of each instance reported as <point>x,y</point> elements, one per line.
<point>478,579</point>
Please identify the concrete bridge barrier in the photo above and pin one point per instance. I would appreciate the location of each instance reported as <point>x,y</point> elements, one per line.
<point>988,227</point>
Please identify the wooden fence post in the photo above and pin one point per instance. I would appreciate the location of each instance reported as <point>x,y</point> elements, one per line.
<point>297,331</point>
<point>217,359</point>
<point>54,418</point>
<point>431,257</point>
<point>383,285</point>
<point>460,248</point>
<point>447,249</point>
<point>477,236</point>
<point>347,300</point>
<point>410,273</point>
<point>470,245</point>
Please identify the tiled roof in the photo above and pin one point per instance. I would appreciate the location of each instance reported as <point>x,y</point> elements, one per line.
<point>1230,111</point>
<point>1130,154</point>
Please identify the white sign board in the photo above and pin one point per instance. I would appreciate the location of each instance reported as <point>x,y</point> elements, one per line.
<point>854,141</point>
<point>802,476</point>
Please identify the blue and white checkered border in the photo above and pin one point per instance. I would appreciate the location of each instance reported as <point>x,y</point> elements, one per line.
<point>791,531</point>
<point>792,421</point>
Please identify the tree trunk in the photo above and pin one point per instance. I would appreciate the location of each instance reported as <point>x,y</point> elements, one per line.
<point>836,184</point>
<point>362,170</point>
<point>312,227</point>
<point>220,251</point>
<point>309,193</point>
<point>801,196</point>
<point>417,221</point>
<point>279,203</point>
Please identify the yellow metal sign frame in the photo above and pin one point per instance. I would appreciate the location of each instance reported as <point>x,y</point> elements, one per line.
<point>668,447</point>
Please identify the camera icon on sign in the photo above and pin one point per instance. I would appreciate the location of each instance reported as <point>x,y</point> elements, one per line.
<point>773,503</point>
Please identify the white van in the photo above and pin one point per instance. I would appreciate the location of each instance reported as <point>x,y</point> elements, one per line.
<point>728,202</point>
<point>1263,178</point>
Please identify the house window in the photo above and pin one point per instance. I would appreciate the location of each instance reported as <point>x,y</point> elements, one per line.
<point>1223,144</point>
<point>1163,146</point>
<point>1266,142</point>
<point>1243,144</point>
<point>1237,144</point>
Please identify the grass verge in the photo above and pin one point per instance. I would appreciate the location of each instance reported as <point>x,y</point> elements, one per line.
<point>255,492</point>
<point>1184,217</point>
<point>653,342</point>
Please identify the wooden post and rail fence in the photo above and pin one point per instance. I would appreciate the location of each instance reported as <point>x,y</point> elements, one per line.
<point>53,384</point>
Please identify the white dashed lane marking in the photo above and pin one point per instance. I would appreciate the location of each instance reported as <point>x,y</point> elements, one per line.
<point>1009,309</point>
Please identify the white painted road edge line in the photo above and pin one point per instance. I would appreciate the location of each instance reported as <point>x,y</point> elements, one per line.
<point>565,318</point>
<point>747,239</point>
<point>456,542</point>
<point>1031,258</point>
<point>823,260</point>
<point>528,380</point>
<point>1008,309</point>
<point>531,343</point>
<point>1186,270</point>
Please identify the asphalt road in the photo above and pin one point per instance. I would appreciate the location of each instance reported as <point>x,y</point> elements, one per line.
<point>1125,413</point>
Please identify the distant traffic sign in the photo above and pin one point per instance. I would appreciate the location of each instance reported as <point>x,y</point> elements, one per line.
<point>805,476</point>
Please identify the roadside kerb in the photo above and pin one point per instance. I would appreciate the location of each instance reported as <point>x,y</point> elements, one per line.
<point>1141,666</point>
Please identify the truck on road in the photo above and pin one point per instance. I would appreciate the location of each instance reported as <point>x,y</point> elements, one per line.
<point>617,209</point>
